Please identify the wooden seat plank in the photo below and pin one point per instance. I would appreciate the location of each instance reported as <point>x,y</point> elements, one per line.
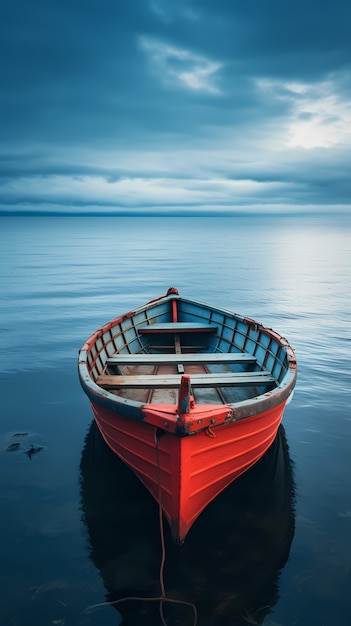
<point>177,327</point>
<point>197,380</point>
<point>184,358</point>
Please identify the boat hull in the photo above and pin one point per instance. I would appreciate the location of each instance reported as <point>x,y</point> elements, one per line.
<point>184,474</point>
<point>189,396</point>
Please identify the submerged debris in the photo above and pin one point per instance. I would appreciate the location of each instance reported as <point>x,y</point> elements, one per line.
<point>13,446</point>
<point>33,450</point>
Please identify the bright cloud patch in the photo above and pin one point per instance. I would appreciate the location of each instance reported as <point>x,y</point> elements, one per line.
<point>186,68</point>
<point>319,116</point>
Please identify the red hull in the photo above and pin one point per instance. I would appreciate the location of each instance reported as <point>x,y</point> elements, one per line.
<point>184,474</point>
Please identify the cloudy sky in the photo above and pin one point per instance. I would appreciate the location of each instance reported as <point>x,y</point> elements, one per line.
<point>175,105</point>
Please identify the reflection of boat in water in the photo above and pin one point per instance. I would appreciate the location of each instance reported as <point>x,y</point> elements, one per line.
<point>228,567</point>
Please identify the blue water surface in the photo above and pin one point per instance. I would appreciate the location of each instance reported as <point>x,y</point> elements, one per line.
<point>76,527</point>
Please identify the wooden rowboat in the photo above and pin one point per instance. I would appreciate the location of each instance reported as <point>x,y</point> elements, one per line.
<point>188,395</point>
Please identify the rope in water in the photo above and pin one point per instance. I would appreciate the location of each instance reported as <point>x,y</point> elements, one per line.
<point>162,598</point>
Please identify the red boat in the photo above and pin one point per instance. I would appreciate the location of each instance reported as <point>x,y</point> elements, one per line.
<point>189,396</point>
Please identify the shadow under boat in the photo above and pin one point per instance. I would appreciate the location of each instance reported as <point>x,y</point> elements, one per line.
<point>230,563</point>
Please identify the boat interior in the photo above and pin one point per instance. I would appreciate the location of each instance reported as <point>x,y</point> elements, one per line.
<point>143,355</point>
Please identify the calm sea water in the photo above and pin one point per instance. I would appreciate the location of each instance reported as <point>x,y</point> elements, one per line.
<point>76,526</point>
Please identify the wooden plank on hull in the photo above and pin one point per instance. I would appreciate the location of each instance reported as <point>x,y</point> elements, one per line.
<point>185,358</point>
<point>197,380</point>
<point>177,327</point>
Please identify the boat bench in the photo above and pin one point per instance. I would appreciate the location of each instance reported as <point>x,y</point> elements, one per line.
<point>177,327</point>
<point>183,358</point>
<point>169,381</point>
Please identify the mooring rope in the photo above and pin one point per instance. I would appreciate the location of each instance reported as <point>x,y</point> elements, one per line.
<point>163,597</point>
